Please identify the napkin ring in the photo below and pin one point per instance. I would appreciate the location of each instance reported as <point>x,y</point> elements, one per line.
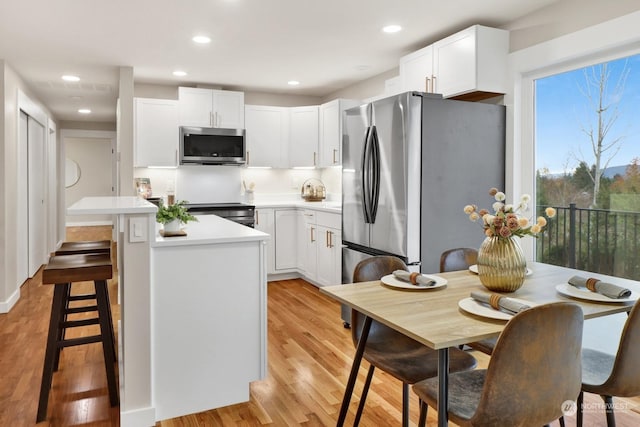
<point>494,301</point>
<point>413,278</point>
<point>591,284</point>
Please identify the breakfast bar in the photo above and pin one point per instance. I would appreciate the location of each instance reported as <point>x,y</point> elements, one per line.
<point>192,330</point>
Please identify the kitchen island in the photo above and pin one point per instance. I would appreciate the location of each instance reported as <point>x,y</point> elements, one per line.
<point>192,334</point>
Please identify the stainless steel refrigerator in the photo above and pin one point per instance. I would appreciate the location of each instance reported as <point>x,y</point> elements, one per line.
<point>410,163</point>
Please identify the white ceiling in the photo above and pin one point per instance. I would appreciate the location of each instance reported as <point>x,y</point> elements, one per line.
<point>257,45</point>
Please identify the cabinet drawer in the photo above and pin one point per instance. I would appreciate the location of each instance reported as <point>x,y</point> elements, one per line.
<point>309,216</point>
<point>330,220</point>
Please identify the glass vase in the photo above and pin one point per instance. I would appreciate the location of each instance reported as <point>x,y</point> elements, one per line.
<point>501,264</point>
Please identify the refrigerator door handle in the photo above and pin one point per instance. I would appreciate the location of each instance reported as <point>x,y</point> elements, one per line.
<point>366,199</point>
<point>375,172</point>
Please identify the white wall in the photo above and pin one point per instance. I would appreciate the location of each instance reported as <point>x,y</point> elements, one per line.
<point>10,241</point>
<point>93,155</point>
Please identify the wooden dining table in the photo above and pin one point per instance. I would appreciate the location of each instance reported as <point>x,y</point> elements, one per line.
<point>433,316</point>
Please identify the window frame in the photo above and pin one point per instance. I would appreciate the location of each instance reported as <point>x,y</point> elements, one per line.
<point>604,42</point>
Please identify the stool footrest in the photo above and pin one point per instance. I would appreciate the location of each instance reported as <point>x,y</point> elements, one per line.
<point>70,342</point>
<point>78,323</point>
<point>81,297</point>
<point>85,309</point>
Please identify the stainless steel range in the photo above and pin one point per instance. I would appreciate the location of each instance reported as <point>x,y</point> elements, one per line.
<point>237,212</point>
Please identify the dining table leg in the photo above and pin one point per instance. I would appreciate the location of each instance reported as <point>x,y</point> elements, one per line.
<point>354,371</point>
<point>443,387</point>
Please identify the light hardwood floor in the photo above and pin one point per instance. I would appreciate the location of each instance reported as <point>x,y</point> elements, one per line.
<point>310,356</point>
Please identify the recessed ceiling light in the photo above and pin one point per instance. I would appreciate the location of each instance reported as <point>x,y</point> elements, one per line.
<point>84,111</point>
<point>201,39</point>
<point>70,78</point>
<point>392,28</point>
<point>363,67</point>
<point>75,98</point>
<point>179,73</point>
<point>293,83</point>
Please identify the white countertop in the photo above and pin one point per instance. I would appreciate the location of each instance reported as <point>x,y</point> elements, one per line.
<point>111,205</point>
<point>334,207</point>
<point>210,229</point>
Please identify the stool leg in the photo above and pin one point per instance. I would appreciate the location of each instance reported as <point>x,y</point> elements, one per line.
<point>57,309</point>
<point>112,331</point>
<point>61,330</point>
<point>107,339</point>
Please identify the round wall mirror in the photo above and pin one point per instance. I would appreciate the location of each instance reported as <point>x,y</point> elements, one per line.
<point>72,173</point>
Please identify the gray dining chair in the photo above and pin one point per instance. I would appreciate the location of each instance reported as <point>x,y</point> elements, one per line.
<point>535,367</point>
<point>460,259</point>
<point>391,351</point>
<point>613,375</point>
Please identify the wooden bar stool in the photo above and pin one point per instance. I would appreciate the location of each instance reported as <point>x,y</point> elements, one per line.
<point>78,248</point>
<point>62,271</point>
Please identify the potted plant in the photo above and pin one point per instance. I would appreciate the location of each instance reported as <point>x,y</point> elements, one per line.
<point>172,216</point>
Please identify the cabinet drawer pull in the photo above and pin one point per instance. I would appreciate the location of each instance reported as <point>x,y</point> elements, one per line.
<point>257,218</point>
<point>247,157</point>
<point>313,239</point>
<point>334,156</point>
<point>433,87</point>
<point>427,84</point>
<point>314,158</point>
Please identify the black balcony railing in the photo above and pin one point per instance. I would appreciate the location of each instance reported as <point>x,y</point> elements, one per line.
<point>596,240</point>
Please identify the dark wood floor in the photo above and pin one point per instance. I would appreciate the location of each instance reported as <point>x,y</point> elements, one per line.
<point>310,356</point>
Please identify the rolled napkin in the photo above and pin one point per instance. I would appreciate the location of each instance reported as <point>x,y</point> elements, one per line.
<point>413,278</point>
<point>595,285</point>
<point>499,302</point>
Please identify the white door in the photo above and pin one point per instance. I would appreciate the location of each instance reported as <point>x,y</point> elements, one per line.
<point>36,194</point>
<point>22,188</point>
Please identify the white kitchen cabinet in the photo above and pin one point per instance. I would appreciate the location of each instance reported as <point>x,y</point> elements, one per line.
<point>155,132</point>
<point>303,137</point>
<point>329,256</point>
<point>330,135</point>
<point>321,248</point>
<point>286,235</point>
<point>307,245</point>
<point>211,108</point>
<point>470,64</point>
<point>267,136</point>
<point>416,70</point>
<point>264,222</point>
<point>472,60</point>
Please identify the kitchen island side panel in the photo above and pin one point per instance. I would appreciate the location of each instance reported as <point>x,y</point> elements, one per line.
<point>209,325</point>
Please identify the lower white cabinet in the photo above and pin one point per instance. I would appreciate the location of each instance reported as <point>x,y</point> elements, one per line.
<point>305,241</point>
<point>264,222</point>
<point>321,248</point>
<point>329,256</point>
<point>286,235</point>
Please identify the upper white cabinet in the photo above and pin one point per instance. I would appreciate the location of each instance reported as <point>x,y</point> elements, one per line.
<point>470,64</point>
<point>416,70</point>
<point>303,142</point>
<point>267,136</point>
<point>211,108</point>
<point>330,144</point>
<point>155,132</point>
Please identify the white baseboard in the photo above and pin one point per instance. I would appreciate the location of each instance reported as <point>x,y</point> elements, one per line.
<point>7,305</point>
<point>145,417</point>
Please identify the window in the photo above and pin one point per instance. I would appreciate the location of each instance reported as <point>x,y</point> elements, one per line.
<point>587,157</point>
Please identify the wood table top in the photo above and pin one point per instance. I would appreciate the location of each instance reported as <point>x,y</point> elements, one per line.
<point>433,317</point>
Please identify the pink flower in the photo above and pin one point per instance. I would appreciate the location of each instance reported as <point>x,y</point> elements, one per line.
<point>505,232</point>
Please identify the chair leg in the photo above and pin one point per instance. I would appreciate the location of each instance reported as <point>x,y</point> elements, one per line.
<point>611,417</point>
<point>579,414</point>
<point>422,421</point>
<point>405,405</point>
<point>363,397</point>
<point>561,421</point>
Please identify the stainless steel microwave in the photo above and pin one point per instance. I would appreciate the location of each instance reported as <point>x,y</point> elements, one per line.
<point>212,146</point>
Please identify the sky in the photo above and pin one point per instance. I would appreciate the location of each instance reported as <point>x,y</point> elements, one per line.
<point>562,112</point>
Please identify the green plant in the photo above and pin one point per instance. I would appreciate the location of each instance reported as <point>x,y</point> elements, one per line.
<point>177,211</point>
